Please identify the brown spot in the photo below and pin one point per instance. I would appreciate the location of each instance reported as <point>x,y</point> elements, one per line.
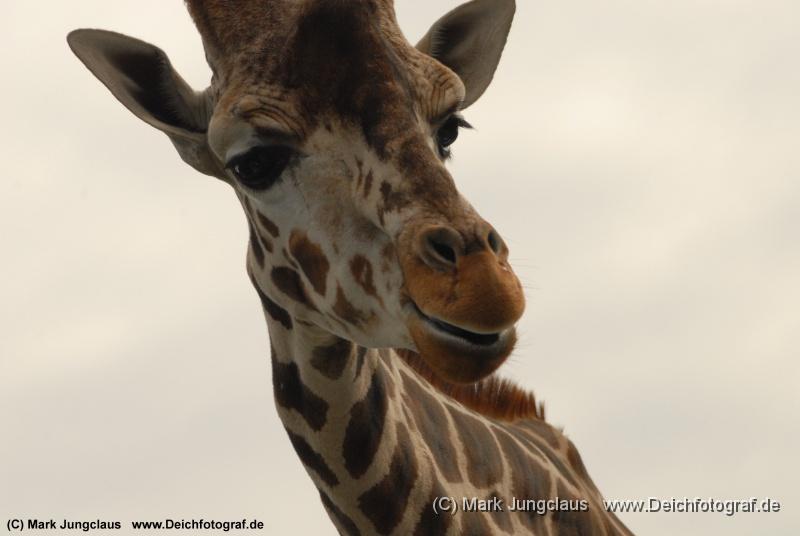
<point>385,503</point>
<point>536,444</point>
<point>331,360</point>
<point>484,465</point>
<point>392,200</point>
<point>368,184</point>
<point>288,281</point>
<point>473,524</point>
<point>291,393</point>
<point>388,258</point>
<point>430,523</point>
<point>540,429</point>
<point>340,518</point>
<point>363,434</point>
<point>431,420</point>
<point>361,269</point>
<point>255,246</point>
<point>576,522</point>
<point>312,459</point>
<point>346,310</point>
<point>575,460</point>
<point>386,193</point>
<point>279,314</point>
<point>311,259</point>
<point>529,480</point>
<point>267,224</point>
<point>500,518</point>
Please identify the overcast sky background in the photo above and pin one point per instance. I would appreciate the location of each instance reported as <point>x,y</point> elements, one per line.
<point>641,158</point>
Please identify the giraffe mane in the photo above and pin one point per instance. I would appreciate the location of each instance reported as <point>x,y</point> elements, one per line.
<point>494,397</point>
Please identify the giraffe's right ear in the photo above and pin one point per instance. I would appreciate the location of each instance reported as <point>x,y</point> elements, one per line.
<point>141,77</point>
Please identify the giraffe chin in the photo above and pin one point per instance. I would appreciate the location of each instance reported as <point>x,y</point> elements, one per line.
<point>455,354</point>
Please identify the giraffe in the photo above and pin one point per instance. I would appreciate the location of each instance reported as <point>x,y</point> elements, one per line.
<point>389,301</point>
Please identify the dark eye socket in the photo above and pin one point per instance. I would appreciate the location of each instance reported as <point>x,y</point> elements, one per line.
<point>448,134</point>
<point>260,167</point>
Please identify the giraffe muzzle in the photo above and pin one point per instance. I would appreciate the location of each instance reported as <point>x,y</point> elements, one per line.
<point>463,301</point>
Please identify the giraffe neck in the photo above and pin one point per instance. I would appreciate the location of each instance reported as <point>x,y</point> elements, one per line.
<point>338,403</point>
<point>380,444</point>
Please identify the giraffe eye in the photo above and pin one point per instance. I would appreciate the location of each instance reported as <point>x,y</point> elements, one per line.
<point>260,167</point>
<point>448,134</point>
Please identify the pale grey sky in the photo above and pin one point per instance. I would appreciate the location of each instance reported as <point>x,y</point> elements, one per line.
<point>641,159</point>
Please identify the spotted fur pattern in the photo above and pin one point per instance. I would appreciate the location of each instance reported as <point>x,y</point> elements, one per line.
<point>381,433</point>
<point>362,241</point>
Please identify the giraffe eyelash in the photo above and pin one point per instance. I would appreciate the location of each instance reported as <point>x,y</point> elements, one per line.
<point>463,123</point>
<point>447,134</point>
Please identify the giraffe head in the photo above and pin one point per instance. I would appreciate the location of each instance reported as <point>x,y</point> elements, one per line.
<point>334,133</point>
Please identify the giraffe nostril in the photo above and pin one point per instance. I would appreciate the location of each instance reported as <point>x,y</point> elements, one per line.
<point>444,251</point>
<point>440,247</point>
<point>494,242</point>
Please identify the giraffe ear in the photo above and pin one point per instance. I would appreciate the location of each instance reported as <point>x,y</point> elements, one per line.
<point>469,40</point>
<point>141,77</point>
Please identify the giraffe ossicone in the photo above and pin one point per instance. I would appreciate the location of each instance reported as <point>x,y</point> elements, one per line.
<point>389,301</point>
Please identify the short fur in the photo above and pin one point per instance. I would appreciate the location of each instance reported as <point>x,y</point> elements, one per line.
<point>360,241</point>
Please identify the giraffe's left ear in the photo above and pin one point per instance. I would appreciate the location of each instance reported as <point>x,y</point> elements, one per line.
<point>141,77</point>
<point>469,40</point>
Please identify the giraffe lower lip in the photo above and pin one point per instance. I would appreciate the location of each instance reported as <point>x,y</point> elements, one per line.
<point>442,327</point>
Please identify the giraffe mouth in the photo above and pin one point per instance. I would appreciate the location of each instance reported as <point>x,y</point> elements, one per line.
<point>445,329</point>
<point>457,354</point>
